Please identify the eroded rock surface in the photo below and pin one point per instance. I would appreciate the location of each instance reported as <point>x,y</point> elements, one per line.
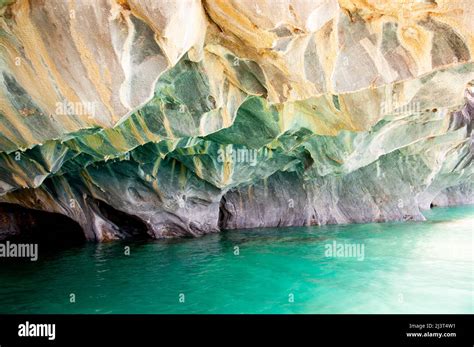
<point>172,118</point>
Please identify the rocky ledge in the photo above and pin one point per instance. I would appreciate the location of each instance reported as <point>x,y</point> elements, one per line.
<point>163,118</point>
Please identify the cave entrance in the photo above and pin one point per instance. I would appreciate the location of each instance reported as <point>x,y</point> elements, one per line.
<point>130,227</point>
<point>51,230</point>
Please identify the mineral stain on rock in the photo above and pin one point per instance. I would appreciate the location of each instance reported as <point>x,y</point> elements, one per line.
<point>197,116</point>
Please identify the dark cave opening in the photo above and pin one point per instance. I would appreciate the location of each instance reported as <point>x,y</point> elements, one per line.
<point>224,214</point>
<point>25,225</point>
<point>129,226</point>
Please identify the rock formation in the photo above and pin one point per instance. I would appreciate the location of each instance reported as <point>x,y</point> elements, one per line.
<point>175,118</point>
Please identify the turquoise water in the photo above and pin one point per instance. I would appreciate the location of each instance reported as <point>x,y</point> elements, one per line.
<point>414,267</point>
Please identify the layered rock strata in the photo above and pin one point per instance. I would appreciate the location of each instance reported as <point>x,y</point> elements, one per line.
<point>181,118</point>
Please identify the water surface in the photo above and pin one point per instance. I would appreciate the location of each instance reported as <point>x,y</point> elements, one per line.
<point>413,267</point>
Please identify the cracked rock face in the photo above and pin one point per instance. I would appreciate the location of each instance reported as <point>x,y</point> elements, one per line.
<point>162,118</point>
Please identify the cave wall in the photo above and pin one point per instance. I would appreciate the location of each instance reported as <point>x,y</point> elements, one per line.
<point>179,118</point>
